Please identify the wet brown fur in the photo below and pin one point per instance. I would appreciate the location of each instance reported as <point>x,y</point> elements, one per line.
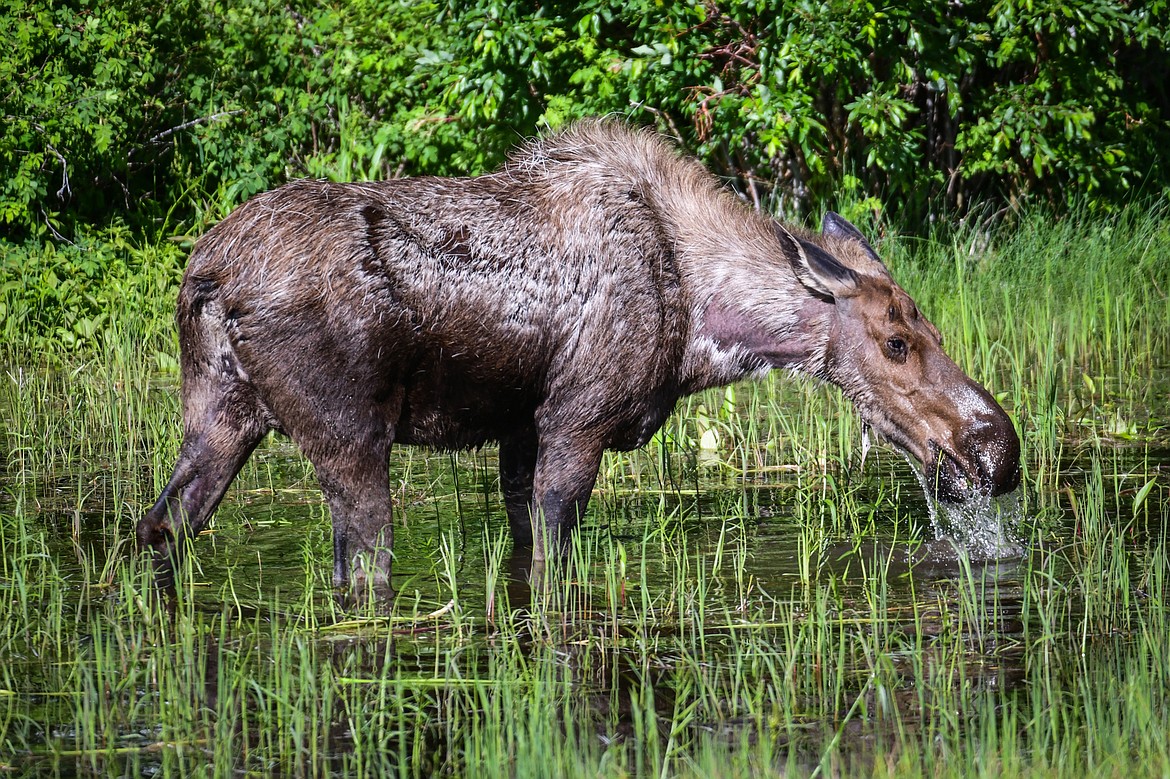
<point>560,307</point>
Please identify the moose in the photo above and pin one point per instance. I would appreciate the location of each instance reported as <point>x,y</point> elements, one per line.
<point>559,307</point>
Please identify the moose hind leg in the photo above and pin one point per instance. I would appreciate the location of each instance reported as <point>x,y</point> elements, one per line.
<point>215,446</point>
<point>347,435</point>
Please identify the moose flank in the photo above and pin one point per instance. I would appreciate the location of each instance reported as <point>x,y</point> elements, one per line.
<point>560,307</point>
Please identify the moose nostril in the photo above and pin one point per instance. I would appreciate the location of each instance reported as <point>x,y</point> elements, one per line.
<point>1006,475</point>
<point>996,448</point>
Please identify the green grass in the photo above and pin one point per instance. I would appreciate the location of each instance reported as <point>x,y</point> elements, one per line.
<point>739,603</point>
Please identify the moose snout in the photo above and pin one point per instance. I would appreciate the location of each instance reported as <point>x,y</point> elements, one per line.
<point>987,460</point>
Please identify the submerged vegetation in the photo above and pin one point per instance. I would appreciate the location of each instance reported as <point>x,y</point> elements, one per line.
<point>744,599</point>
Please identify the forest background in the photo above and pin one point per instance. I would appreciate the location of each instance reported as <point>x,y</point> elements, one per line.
<point>130,125</point>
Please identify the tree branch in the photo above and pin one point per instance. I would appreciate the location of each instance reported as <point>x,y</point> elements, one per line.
<point>201,120</point>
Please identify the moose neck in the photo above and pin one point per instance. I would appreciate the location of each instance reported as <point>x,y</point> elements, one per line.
<point>736,333</point>
<point>748,311</point>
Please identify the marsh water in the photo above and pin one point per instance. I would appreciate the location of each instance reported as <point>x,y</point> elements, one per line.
<point>811,614</point>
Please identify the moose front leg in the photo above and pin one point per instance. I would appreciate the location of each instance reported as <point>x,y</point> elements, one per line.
<point>517,470</point>
<point>566,471</point>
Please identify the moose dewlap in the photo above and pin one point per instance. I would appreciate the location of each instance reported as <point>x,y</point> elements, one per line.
<point>560,307</point>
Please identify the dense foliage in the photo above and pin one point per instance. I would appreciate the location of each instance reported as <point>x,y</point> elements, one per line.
<point>127,121</point>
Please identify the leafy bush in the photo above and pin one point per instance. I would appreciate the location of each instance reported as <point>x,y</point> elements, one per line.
<point>124,121</point>
<point>930,105</point>
<point>157,115</point>
<point>56,301</point>
<point>91,92</point>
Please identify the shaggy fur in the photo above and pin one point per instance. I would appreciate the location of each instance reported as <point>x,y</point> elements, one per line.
<point>560,307</point>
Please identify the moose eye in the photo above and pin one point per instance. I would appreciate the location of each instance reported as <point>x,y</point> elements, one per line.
<point>896,348</point>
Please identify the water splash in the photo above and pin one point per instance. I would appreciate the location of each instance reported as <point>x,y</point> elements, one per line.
<point>982,528</point>
<point>985,528</point>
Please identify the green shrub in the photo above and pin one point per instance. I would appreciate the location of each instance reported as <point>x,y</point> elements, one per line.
<point>60,300</point>
<point>123,110</point>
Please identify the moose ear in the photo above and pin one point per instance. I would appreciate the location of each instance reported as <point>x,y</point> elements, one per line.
<point>816,268</point>
<point>837,226</point>
<point>834,225</point>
